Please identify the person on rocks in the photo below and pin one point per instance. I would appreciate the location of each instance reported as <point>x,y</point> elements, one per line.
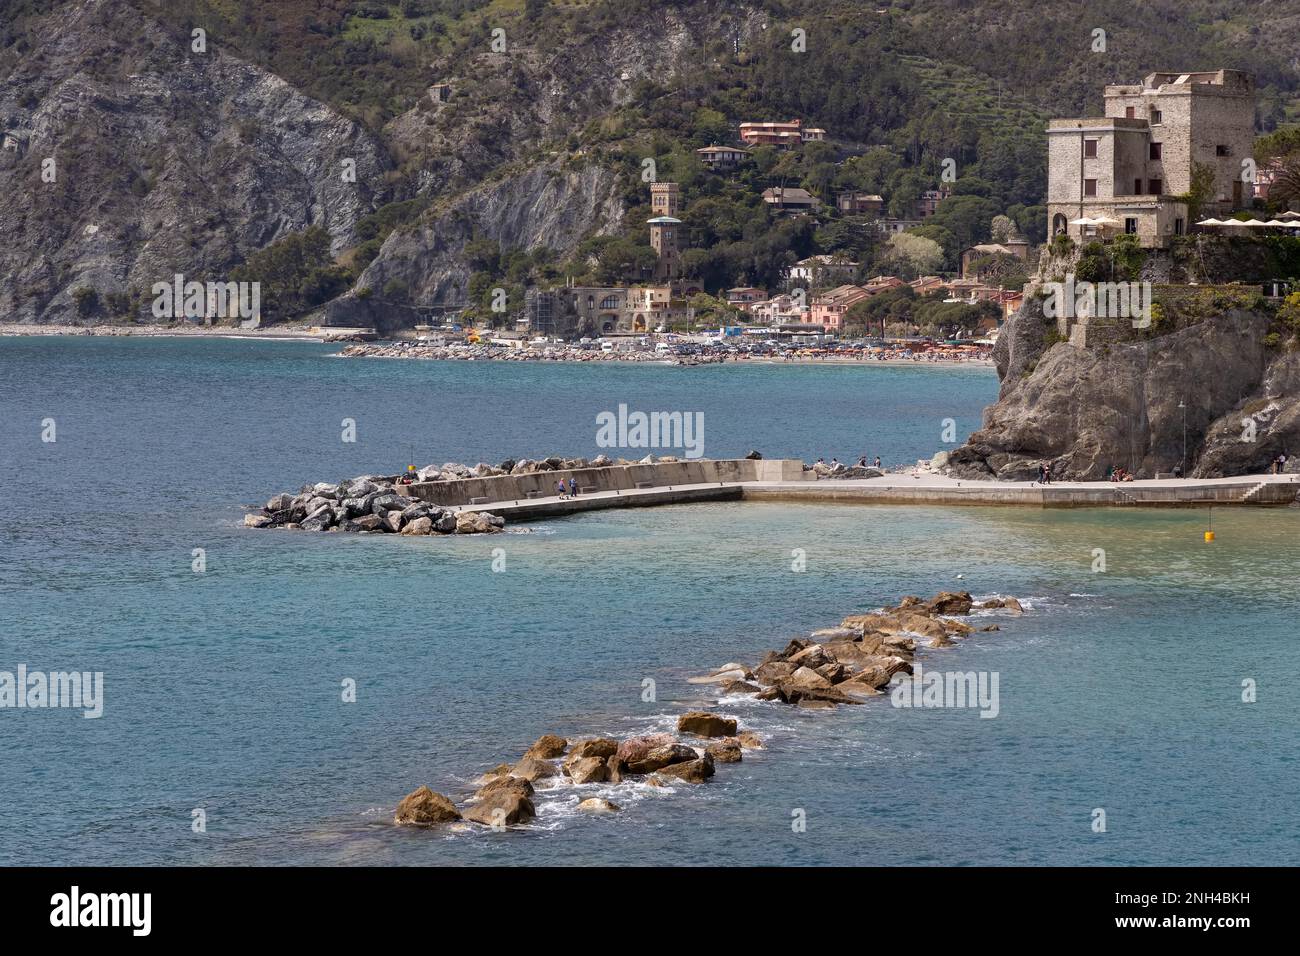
<point>862,461</point>
<point>877,461</point>
<point>409,477</point>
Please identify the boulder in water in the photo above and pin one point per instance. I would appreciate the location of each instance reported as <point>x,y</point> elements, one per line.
<point>423,807</point>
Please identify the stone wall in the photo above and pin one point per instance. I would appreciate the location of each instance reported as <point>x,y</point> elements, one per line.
<point>541,484</point>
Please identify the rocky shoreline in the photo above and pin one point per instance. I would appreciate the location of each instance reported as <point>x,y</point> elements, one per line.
<point>489,353</point>
<point>846,664</point>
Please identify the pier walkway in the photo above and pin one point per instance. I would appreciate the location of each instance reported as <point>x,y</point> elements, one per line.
<point>926,489</point>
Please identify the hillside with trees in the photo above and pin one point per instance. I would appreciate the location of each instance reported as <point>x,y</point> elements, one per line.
<point>482,106</point>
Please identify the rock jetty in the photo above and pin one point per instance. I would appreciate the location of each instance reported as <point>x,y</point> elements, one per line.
<point>367,505</point>
<point>845,664</point>
<point>856,660</point>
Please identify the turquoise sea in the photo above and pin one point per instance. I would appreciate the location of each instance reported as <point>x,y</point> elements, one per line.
<point>1120,690</point>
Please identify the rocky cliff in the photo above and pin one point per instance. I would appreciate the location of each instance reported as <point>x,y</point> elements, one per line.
<point>541,206</point>
<point>164,160</point>
<point>1116,403</point>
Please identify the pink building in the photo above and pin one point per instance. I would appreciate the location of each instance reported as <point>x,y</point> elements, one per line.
<point>829,310</point>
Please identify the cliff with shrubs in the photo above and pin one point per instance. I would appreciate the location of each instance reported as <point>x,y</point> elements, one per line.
<point>1214,377</point>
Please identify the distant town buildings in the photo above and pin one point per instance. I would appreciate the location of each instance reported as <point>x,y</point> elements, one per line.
<point>636,309</point>
<point>1122,171</point>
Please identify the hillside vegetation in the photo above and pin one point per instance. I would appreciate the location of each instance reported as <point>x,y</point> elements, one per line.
<point>900,87</point>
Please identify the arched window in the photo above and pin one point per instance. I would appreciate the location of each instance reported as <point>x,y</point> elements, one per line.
<point>609,302</point>
<point>1058,224</point>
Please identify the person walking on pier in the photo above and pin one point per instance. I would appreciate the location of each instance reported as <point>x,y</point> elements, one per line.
<point>559,489</point>
<point>573,488</point>
<point>1047,472</point>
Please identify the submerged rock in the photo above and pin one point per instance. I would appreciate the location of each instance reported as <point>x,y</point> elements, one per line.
<point>598,805</point>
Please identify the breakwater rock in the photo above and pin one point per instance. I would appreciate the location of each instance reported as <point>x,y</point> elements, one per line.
<point>845,664</point>
<point>367,505</point>
<point>859,658</point>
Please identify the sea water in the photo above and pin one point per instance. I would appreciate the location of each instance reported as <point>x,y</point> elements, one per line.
<point>1160,691</point>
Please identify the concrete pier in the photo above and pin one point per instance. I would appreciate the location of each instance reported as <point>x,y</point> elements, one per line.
<point>633,486</point>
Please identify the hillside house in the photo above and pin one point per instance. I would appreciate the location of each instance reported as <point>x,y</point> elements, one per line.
<point>784,135</point>
<point>823,270</point>
<point>859,204</point>
<point>721,158</point>
<point>790,200</point>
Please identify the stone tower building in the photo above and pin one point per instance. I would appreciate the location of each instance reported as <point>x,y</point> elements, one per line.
<point>665,199</point>
<point>664,232</point>
<point>1123,170</point>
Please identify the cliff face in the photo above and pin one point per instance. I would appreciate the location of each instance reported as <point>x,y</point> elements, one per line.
<point>542,206</point>
<point>1086,410</point>
<point>166,160</point>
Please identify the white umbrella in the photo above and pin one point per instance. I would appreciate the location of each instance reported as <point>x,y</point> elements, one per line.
<point>1106,221</point>
<point>1289,214</point>
<point>1254,223</point>
<point>1083,221</point>
<point>1211,222</point>
<point>1279,222</point>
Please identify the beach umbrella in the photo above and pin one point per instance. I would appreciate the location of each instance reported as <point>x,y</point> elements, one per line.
<point>1279,222</point>
<point>1253,223</point>
<point>1211,222</point>
<point>1083,221</point>
<point>1289,214</point>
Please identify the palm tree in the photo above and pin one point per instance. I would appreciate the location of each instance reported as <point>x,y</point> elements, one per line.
<point>1285,189</point>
